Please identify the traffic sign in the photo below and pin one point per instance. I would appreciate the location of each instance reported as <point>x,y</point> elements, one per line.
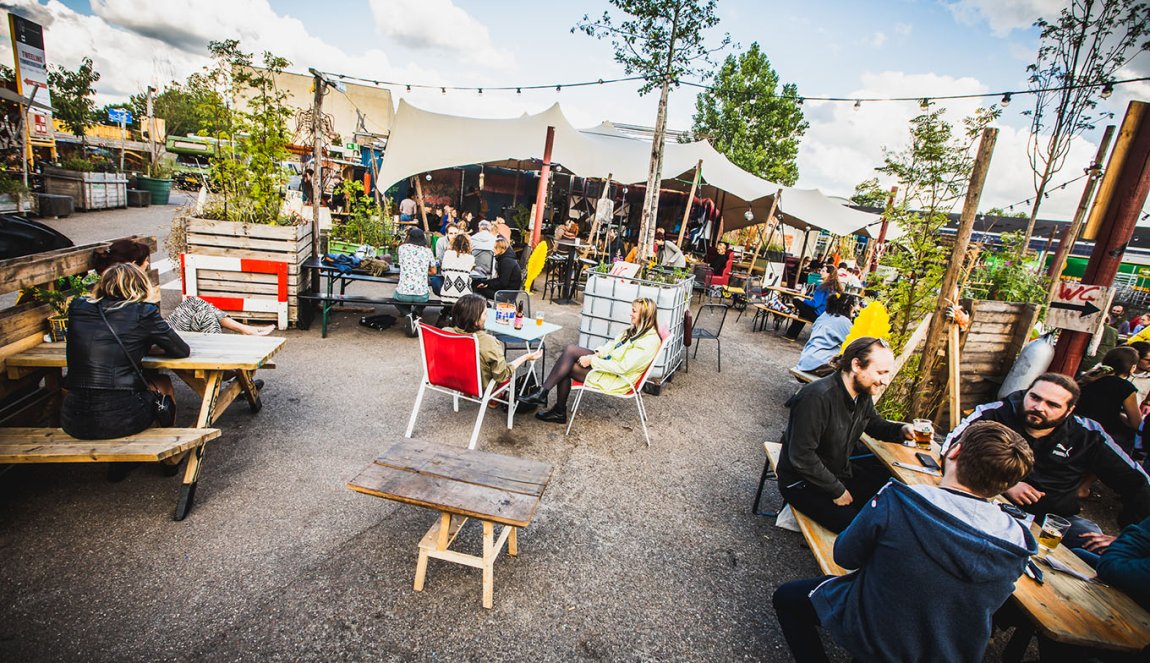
<point>1077,306</point>
<point>119,115</point>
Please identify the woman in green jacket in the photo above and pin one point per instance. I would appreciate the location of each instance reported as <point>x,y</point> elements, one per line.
<point>612,367</point>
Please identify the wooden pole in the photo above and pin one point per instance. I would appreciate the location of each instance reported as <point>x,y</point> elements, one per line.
<point>927,384</point>
<point>152,124</point>
<point>954,361</point>
<point>541,194</point>
<point>422,208</point>
<point>592,236</point>
<point>690,200</point>
<point>318,83</point>
<point>1070,237</point>
<point>1121,195</point>
<point>874,257</point>
<point>770,220</point>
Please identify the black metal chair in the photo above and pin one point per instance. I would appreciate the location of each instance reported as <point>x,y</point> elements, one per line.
<point>703,275</point>
<point>708,325</point>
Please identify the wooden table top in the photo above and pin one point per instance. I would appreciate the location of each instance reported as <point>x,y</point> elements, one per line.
<point>466,482</point>
<point>786,291</point>
<point>1064,608</point>
<point>209,352</point>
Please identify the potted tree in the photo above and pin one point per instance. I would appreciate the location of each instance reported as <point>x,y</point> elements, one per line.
<point>246,215</point>
<point>58,298</point>
<point>367,223</point>
<point>158,181</point>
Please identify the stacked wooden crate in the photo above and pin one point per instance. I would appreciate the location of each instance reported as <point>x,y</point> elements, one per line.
<point>286,244</point>
<point>89,191</point>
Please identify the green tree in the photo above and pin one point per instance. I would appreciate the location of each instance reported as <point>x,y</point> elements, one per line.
<point>1085,46</point>
<point>248,173</point>
<point>750,120</point>
<point>932,173</point>
<point>72,93</point>
<point>188,108</point>
<point>868,193</point>
<point>998,211</point>
<point>663,41</point>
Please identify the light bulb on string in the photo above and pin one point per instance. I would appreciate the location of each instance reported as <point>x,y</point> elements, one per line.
<point>518,90</point>
<point>558,88</point>
<point>480,90</point>
<point>409,88</point>
<point>1005,100</point>
<point>443,90</point>
<point>1107,90</point>
<point>858,104</point>
<point>924,104</point>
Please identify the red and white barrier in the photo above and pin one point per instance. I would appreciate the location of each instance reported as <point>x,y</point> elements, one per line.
<point>190,264</point>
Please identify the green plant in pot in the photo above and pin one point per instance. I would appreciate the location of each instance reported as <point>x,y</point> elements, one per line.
<point>59,297</point>
<point>367,222</point>
<point>158,180</point>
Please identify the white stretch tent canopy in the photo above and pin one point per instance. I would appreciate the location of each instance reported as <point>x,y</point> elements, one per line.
<point>422,141</point>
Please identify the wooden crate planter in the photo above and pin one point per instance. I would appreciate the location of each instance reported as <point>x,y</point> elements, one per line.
<point>607,312</point>
<point>248,241</point>
<point>90,191</point>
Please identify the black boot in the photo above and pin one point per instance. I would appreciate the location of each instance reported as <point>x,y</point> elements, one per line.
<point>537,397</point>
<point>556,415</point>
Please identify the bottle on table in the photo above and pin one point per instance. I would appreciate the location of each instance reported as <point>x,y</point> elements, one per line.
<point>519,316</point>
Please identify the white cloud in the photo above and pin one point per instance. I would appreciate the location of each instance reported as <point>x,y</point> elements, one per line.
<point>438,25</point>
<point>903,29</point>
<point>1003,16</point>
<point>878,39</point>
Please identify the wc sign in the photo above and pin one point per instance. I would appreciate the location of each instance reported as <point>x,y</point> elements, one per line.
<point>1079,307</point>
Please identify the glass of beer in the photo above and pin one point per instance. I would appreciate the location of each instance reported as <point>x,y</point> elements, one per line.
<point>923,433</point>
<point>1053,529</point>
<point>539,318</point>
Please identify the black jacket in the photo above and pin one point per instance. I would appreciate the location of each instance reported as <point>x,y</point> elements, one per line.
<point>508,275</point>
<point>1075,448</point>
<point>96,361</point>
<point>825,424</point>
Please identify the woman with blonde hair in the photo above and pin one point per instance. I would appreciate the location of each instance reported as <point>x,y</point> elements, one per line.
<point>612,367</point>
<point>109,332</point>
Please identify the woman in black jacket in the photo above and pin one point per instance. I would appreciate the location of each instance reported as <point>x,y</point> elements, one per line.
<point>106,396</point>
<point>508,274</point>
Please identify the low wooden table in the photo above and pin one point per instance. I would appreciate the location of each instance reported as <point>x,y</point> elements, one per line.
<point>459,484</point>
<point>1063,608</point>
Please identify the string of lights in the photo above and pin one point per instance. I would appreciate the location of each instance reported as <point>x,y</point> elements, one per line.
<point>1046,194</point>
<point>1005,97</point>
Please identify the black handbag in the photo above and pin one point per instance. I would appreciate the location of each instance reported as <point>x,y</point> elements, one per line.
<point>162,404</point>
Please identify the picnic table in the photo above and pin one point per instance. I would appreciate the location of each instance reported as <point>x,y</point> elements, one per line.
<point>203,370</point>
<point>331,276</point>
<point>459,484</point>
<point>1063,608</point>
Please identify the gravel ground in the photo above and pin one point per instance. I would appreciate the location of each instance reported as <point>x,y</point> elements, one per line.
<point>636,553</point>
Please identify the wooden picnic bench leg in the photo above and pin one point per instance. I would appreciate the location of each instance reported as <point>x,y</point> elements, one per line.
<point>767,474</point>
<point>247,383</point>
<point>488,563</point>
<point>196,456</point>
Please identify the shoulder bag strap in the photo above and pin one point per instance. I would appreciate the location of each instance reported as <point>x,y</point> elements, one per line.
<point>116,336</point>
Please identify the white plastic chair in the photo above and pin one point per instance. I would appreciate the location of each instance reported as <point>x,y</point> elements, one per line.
<point>635,393</point>
<point>451,366</point>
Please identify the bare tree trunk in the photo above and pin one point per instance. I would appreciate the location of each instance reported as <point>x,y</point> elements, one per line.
<point>1038,197</point>
<point>654,176</point>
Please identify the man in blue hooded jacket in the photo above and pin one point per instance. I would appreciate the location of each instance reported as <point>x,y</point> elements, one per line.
<point>933,563</point>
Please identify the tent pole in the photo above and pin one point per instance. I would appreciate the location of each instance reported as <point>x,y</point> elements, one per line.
<point>419,195</point>
<point>690,200</point>
<point>770,221</point>
<point>873,256</point>
<point>593,236</point>
<point>541,194</point>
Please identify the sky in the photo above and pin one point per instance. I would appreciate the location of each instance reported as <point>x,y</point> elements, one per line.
<point>879,48</point>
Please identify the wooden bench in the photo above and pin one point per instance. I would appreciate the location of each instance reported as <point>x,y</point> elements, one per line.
<point>803,376</point>
<point>764,313</point>
<point>820,539</point>
<point>53,445</point>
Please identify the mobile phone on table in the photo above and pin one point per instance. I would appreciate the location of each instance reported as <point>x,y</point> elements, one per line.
<point>927,461</point>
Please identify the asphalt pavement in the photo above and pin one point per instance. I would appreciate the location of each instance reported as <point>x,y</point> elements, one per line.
<point>636,553</point>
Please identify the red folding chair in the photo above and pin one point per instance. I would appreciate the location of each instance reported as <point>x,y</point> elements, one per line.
<point>451,366</point>
<point>724,279</point>
<point>635,392</point>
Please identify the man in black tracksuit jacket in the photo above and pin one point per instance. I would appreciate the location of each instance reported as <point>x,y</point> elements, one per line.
<point>1066,449</point>
<point>827,418</point>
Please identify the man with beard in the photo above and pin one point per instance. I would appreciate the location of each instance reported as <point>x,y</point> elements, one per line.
<point>817,477</point>
<point>1067,449</point>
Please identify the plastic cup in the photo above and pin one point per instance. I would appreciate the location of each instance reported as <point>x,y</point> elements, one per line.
<point>1053,529</point>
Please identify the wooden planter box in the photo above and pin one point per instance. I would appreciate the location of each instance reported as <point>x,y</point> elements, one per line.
<point>286,244</point>
<point>90,191</point>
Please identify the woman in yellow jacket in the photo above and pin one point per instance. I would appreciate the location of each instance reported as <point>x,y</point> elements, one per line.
<point>612,367</point>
